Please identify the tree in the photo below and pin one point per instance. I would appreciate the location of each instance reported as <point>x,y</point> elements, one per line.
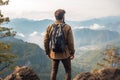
<point>6,55</point>
<point>111,57</point>
<point>4,2</point>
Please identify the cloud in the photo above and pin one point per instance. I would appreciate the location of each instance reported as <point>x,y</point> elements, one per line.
<point>37,39</point>
<point>93,27</point>
<point>34,33</point>
<point>43,33</point>
<point>20,34</point>
<point>4,0</point>
<point>77,27</point>
<point>87,48</point>
<point>34,39</point>
<point>96,27</point>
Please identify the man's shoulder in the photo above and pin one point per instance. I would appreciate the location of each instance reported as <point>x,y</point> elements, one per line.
<point>49,26</point>
<point>67,26</point>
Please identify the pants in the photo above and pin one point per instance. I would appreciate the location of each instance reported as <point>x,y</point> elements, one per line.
<point>67,66</point>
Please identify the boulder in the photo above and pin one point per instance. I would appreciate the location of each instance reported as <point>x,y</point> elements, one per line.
<point>22,73</point>
<point>102,74</point>
<point>1,79</point>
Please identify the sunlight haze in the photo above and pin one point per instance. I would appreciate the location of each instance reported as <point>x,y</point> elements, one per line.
<point>75,9</point>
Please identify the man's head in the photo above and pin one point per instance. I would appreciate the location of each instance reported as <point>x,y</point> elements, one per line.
<point>59,14</point>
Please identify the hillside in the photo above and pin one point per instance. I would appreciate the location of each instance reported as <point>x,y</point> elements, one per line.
<point>30,55</point>
<point>86,36</point>
<point>86,60</point>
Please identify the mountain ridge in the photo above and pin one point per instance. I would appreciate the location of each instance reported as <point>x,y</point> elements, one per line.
<point>28,54</point>
<point>37,28</point>
<point>94,36</point>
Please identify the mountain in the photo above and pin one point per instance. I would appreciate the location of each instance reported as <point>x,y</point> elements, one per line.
<point>29,54</point>
<point>111,22</point>
<point>27,26</point>
<point>101,21</point>
<point>33,30</point>
<point>87,36</point>
<point>87,60</point>
<point>29,30</point>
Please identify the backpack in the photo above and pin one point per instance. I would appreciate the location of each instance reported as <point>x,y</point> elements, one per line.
<point>57,40</point>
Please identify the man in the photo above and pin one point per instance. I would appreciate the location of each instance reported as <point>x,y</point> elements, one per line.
<point>66,56</point>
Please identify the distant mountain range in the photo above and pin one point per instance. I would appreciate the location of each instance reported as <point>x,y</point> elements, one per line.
<point>87,32</point>
<point>27,26</point>
<point>111,23</point>
<point>84,37</point>
<point>22,24</point>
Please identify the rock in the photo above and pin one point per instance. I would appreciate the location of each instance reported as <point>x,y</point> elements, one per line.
<point>1,79</point>
<point>84,76</point>
<point>102,74</point>
<point>22,73</point>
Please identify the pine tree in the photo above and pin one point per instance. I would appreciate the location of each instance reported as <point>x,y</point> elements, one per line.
<point>6,55</point>
<point>111,57</point>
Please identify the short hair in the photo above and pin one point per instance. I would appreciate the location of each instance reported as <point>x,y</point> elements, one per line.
<point>59,14</point>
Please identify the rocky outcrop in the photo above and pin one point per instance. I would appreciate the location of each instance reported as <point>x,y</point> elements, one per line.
<point>102,74</point>
<point>22,73</point>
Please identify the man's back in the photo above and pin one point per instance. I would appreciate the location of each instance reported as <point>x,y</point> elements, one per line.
<point>65,56</point>
<point>68,39</point>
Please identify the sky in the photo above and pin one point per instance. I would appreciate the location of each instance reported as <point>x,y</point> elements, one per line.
<point>77,10</point>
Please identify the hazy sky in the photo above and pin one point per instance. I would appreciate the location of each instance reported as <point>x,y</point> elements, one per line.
<point>75,9</point>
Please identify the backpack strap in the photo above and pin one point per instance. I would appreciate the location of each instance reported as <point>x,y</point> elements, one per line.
<point>54,25</point>
<point>63,25</point>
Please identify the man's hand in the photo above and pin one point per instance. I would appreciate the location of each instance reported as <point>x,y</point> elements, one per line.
<point>72,57</point>
<point>48,55</point>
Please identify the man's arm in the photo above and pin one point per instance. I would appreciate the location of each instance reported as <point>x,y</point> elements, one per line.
<point>71,42</point>
<point>46,41</point>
